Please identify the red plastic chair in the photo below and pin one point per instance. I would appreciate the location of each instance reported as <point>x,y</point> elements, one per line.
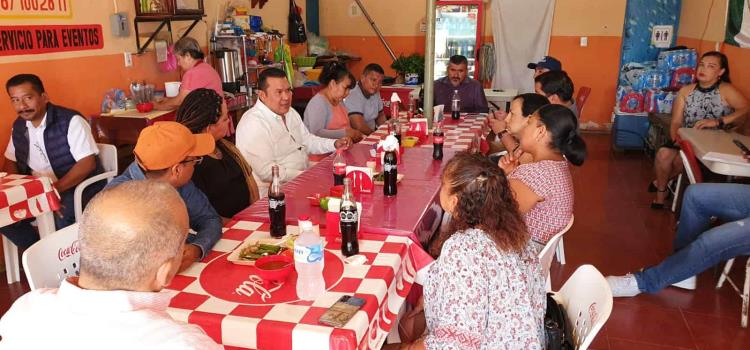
<point>583,96</point>
<point>692,169</point>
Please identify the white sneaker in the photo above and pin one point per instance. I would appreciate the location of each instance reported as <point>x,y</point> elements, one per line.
<point>688,283</point>
<point>623,286</point>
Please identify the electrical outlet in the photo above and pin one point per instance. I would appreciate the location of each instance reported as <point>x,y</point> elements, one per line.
<point>584,41</point>
<point>128,59</point>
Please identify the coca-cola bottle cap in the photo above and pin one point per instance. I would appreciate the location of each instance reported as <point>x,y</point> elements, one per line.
<point>304,218</point>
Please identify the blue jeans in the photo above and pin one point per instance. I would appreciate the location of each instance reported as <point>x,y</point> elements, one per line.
<point>696,247</point>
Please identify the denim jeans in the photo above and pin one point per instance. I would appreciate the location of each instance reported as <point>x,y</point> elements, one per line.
<point>697,248</point>
<point>23,235</point>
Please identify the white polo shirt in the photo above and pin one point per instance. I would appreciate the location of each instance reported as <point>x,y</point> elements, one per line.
<point>80,139</point>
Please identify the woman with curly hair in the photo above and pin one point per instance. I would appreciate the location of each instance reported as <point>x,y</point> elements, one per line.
<point>486,289</point>
<point>223,176</point>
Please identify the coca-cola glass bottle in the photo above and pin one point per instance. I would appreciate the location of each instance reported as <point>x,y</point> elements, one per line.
<point>390,173</point>
<point>276,205</point>
<point>395,129</point>
<point>438,138</point>
<point>339,168</point>
<point>348,222</point>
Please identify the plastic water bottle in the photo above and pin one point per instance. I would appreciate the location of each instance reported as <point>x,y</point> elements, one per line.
<point>308,261</point>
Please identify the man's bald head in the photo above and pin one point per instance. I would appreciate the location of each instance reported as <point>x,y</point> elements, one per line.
<point>128,231</point>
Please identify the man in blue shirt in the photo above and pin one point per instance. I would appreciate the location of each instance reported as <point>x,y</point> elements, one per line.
<point>168,151</point>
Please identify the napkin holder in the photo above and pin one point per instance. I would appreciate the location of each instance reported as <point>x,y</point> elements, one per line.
<point>361,178</point>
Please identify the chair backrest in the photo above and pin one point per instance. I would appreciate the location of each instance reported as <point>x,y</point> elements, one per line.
<point>108,157</point>
<point>583,96</point>
<point>690,162</point>
<point>587,300</point>
<point>52,259</point>
<point>546,255</point>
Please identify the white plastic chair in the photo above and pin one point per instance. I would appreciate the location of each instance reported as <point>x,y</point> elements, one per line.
<point>745,294</point>
<point>46,225</point>
<point>108,159</point>
<point>52,259</point>
<point>545,256</point>
<point>587,300</point>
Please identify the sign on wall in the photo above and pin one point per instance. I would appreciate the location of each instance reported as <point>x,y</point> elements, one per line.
<point>29,40</point>
<point>15,9</point>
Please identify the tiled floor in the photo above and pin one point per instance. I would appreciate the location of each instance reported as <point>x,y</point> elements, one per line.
<point>616,231</point>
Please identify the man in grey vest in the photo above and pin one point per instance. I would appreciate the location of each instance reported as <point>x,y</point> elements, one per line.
<point>52,141</point>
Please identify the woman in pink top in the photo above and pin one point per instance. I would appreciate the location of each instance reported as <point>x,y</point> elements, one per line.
<point>325,114</point>
<point>544,187</point>
<point>197,73</point>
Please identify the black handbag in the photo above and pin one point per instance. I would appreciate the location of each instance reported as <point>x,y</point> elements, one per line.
<point>556,326</point>
<point>297,34</point>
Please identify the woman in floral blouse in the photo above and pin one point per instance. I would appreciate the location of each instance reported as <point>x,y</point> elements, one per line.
<point>486,289</point>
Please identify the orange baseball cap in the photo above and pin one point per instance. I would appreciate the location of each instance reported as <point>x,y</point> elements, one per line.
<point>165,144</point>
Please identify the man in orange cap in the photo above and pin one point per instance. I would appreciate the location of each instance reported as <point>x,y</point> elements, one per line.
<point>168,151</point>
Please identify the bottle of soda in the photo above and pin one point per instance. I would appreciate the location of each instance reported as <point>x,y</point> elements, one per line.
<point>390,172</point>
<point>395,129</point>
<point>456,106</point>
<point>348,223</point>
<point>308,261</point>
<point>276,205</point>
<point>339,168</point>
<point>438,138</point>
<point>412,109</point>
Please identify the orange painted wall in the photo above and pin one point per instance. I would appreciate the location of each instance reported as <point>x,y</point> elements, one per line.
<point>594,66</point>
<point>80,82</point>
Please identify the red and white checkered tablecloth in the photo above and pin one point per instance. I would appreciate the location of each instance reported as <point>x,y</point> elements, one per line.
<point>23,197</point>
<point>231,305</point>
<point>458,134</point>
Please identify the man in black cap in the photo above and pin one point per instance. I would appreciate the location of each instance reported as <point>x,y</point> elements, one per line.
<point>548,63</point>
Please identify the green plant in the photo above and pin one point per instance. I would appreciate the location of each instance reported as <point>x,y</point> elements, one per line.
<point>413,63</point>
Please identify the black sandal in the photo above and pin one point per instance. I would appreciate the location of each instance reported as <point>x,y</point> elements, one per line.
<point>655,205</point>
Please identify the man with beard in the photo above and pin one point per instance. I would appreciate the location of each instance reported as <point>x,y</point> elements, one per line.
<point>51,141</point>
<point>470,90</point>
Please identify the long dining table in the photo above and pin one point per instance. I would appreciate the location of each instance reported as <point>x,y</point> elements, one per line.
<point>414,212</point>
<point>234,307</point>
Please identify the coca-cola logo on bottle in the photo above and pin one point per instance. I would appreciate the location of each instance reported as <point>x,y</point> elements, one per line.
<point>66,252</point>
<point>348,216</point>
<point>275,203</point>
<point>387,167</point>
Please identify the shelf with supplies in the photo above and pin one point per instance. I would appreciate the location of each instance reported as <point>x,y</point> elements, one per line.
<point>165,20</point>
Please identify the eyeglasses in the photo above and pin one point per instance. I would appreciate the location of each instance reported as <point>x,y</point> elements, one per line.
<point>196,160</point>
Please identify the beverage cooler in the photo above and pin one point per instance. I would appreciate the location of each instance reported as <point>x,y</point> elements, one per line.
<point>458,31</point>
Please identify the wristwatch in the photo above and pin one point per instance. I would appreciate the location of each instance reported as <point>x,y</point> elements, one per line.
<point>503,132</point>
<point>721,123</point>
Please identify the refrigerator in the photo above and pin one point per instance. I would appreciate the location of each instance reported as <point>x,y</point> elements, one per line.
<point>458,31</point>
